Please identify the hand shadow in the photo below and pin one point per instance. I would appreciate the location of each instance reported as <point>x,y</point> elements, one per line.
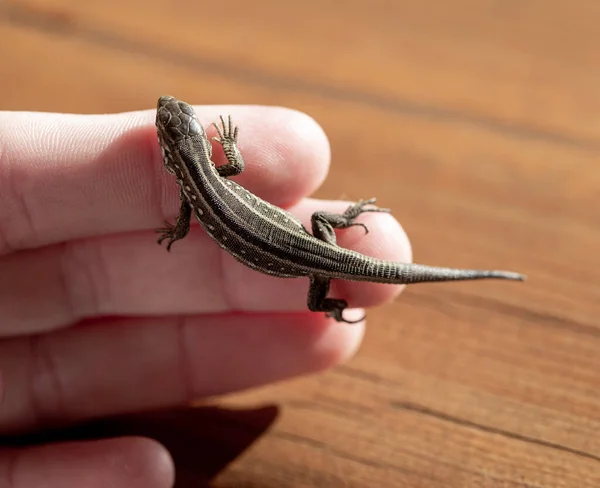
<point>202,440</point>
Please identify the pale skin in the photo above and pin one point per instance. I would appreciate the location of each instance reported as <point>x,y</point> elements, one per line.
<point>80,199</point>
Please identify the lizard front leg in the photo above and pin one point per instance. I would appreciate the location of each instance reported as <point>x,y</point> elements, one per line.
<point>177,231</point>
<point>323,225</point>
<point>228,139</point>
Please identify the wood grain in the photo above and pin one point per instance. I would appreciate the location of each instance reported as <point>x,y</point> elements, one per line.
<point>478,123</point>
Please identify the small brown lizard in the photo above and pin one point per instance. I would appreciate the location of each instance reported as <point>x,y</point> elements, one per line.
<point>265,237</point>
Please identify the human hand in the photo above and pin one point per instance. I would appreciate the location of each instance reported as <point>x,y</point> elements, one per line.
<point>97,319</point>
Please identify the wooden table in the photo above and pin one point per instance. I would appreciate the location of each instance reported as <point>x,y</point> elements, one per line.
<point>484,119</point>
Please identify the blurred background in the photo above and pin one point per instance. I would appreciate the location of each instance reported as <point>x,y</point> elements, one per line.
<point>478,123</point>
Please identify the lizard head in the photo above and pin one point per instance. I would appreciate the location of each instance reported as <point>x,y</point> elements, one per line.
<point>176,120</point>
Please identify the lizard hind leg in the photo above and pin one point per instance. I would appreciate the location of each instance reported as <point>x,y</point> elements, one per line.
<point>318,301</point>
<point>323,223</point>
<point>323,228</point>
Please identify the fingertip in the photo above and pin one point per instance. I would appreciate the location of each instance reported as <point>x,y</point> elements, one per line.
<point>266,348</point>
<point>313,148</point>
<point>129,462</point>
<point>151,460</point>
<point>340,341</point>
<point>287,153</point>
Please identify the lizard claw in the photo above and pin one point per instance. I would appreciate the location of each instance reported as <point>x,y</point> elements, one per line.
<point>360,224</point>
<point>353,211</point>
<point>167,232</point>
<point>338,317</point>
<point>371,201</point>
<point>359,207</point>
<point>227,131</point>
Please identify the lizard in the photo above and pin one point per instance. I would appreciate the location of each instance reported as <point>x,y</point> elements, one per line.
<point>267,238</point>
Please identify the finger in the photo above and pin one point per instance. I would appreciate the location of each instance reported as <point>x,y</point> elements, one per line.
<point>72,176</point>
<point>118,463</point>
<point>123,366</point>
<point>129,274</point>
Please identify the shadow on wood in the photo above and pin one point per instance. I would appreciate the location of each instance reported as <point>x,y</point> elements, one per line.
<point>203,441</point>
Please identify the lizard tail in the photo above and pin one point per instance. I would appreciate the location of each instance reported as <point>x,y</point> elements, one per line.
<point>417,273</point>
<point>406,274</point>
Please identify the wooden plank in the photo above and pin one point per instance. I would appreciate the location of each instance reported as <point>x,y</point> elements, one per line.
<point>359,431</point>
<point>528,66</point>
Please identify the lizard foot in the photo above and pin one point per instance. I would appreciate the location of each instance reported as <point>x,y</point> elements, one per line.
<point>358,208</point>
<point>169,231</point>
<point>337,314</point>
<point>227,132</point>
